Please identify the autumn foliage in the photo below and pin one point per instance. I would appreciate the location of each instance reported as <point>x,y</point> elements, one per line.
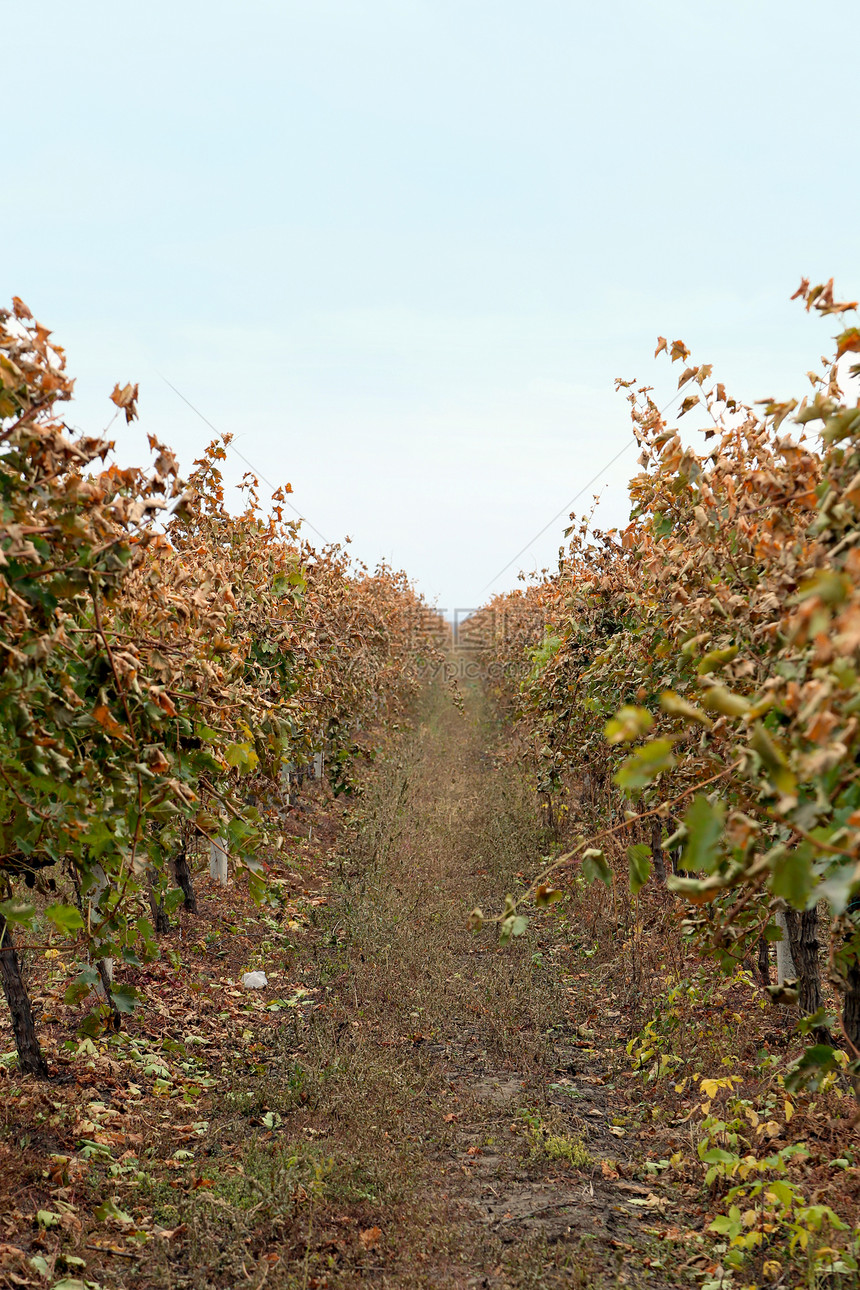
<point>703,666</point>
<point>165,665</point>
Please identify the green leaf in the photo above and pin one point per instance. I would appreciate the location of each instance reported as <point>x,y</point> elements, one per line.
<point>716,1156</point>
<point>17,911</point>
<point>792,876</point>
<point>594,867</point>
<point>715,659</point>
<point>639,859</point>
<point>242,756</point>
<point>111,1210</point>
<point>65,918</point>
<point>783,1191</point>
<point>257,887</point>
<point>239,832</point>
<point>125,997</point>
<point>48,1218</point>
<point>628,723</point>
<point>677,707</point>
<point>807,1071</point>
<point>640,769</point>
<point>704,822</point>
<point>83,985</point>
<point>838,888</point>
<point>828,584</point>
<point>520,925</point>
<point>726,702</point>
<point>173,899</point>
<point>774,760</point>
<point>697,890</point>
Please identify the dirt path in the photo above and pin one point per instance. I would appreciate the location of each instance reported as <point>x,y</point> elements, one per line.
<point>465,1124</point>
<point>438,1120</point>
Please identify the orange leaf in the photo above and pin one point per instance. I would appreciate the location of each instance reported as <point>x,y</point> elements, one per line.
<point>126,398</point>
<point>104,717</point>
<point>849,341</point>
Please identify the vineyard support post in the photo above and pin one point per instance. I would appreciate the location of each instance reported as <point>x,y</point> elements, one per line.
<point>30,1056</point>
<point>218,857</point>
<point>785,969</point>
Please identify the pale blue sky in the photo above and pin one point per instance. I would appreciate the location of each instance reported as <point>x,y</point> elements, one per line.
<point>401,247</point>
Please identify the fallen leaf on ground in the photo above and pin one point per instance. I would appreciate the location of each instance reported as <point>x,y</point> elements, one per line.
<point>651,1201</point>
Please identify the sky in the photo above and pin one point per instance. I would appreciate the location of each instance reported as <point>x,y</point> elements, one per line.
<point>400,249</point>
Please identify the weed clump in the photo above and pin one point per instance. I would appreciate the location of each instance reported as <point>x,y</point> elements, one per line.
<point>570,1149</point>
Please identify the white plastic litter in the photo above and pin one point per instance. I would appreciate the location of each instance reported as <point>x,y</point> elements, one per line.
<point>254,981</point>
